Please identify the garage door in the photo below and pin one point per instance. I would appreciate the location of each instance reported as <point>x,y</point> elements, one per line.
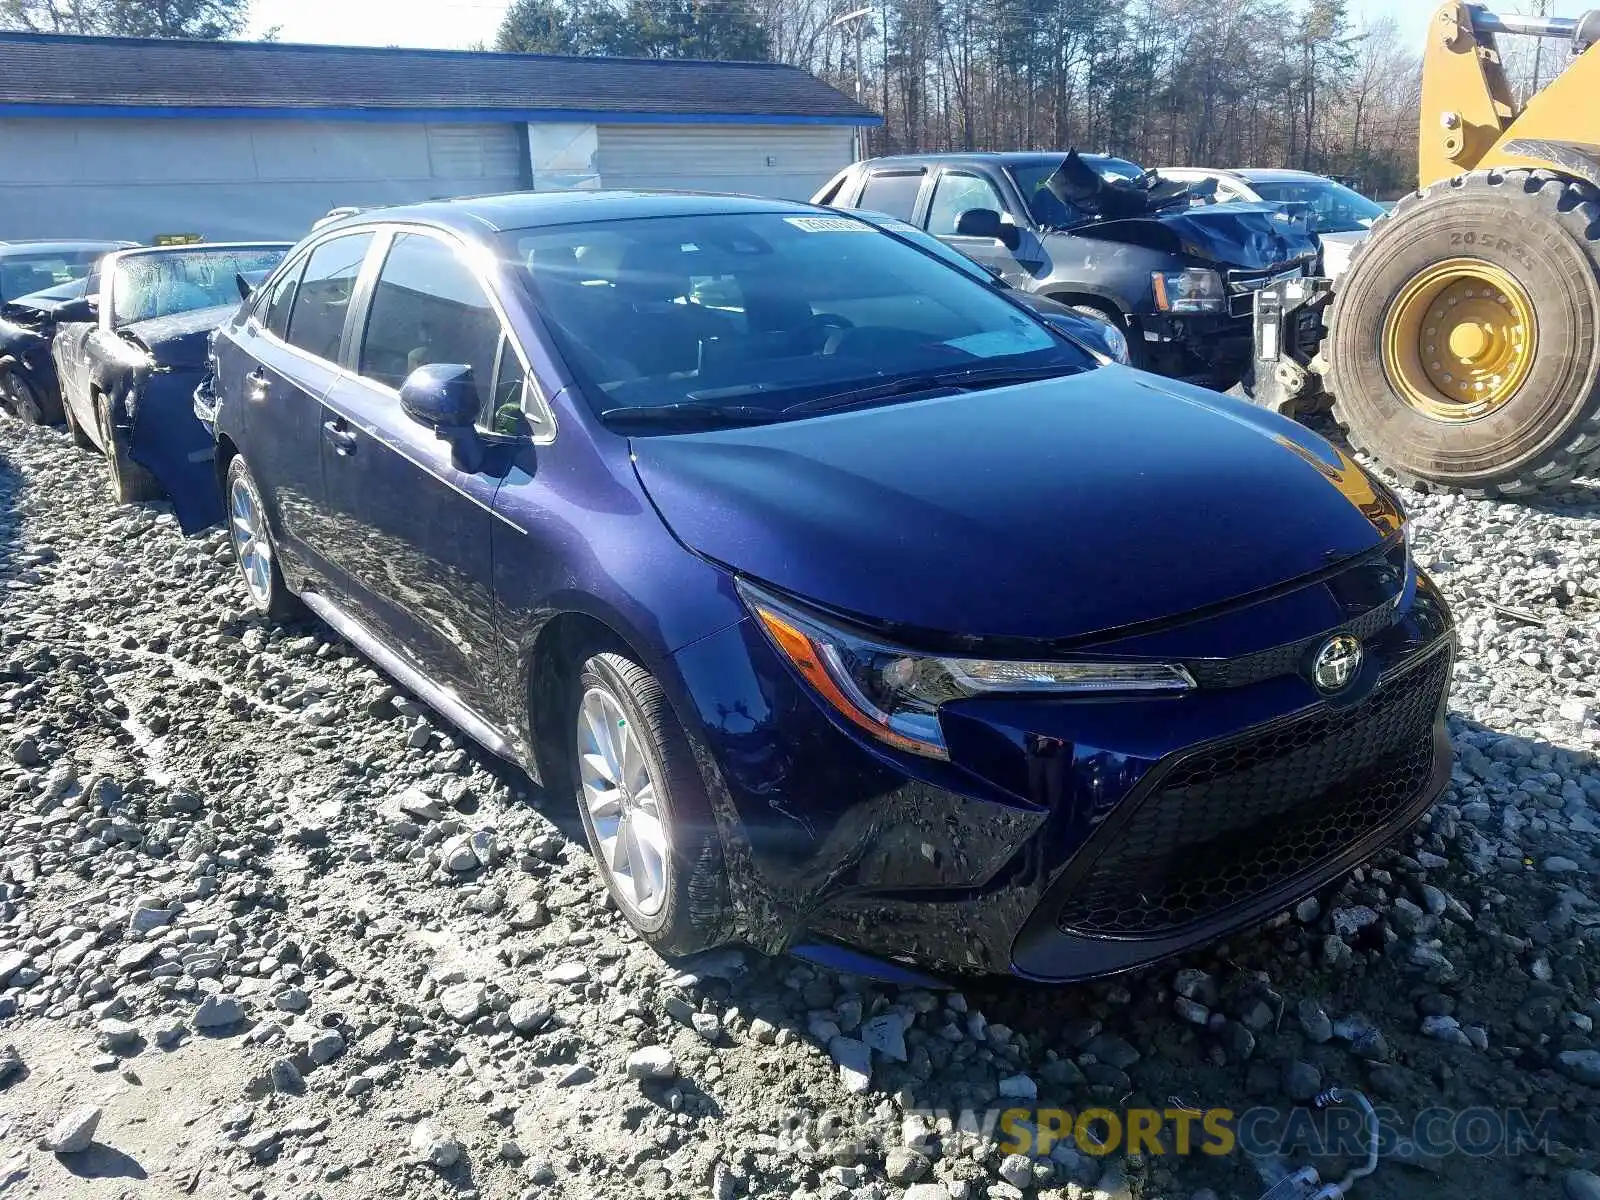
<point>237,178</point>
<point>489,152</point>
<point>789,161</point>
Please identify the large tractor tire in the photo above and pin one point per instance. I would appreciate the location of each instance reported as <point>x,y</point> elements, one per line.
<point>1464,349</point>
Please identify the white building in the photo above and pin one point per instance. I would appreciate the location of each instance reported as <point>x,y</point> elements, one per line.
<point>134,138</point>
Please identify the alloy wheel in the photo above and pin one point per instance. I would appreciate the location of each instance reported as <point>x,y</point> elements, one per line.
<point>251,544</point>
<point>623,800</point>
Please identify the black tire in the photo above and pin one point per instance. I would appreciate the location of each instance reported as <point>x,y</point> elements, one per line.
<point>24,401</point>
<point>1544,231</point>
<point>1138,354</point>
<point>80,439</point>
<point>130,482</point>
<point>274,600</point>
<point>694,916</point>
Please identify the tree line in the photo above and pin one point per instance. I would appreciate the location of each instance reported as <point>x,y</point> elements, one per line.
<point>1163,82</point>
<point>128,18</point>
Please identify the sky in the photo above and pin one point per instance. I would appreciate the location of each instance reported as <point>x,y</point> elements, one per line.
<point>452,24</point>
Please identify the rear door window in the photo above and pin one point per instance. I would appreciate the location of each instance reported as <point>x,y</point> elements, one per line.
<point>429,308</point>
<point>893,193</point>
<point>322,302</point>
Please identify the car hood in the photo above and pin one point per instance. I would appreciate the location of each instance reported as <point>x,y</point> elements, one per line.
<point>178,341</point>
<point>1049,510</point>
<point>1247,236</point>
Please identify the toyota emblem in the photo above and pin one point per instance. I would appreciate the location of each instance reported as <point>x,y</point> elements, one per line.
<point>1336,663</point>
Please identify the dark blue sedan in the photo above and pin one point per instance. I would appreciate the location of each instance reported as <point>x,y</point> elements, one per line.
<point>866,612</point>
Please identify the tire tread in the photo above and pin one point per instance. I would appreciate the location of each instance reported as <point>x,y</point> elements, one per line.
<point>1576,206</point>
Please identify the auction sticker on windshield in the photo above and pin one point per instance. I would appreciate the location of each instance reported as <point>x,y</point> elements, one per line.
<point>829,225</point>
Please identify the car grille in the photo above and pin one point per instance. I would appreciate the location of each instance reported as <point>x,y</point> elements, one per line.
<point>1287,658</point>
<point>1243,286</point>
<point>1243,817</point>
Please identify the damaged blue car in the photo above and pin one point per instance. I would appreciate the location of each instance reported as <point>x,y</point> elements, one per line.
<point>36,279</point>
<point>129,355</point>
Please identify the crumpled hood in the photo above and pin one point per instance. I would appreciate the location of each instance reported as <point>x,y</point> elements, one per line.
<point>179,341</point>
<point>1047,510</point>
<point>1249,236</point>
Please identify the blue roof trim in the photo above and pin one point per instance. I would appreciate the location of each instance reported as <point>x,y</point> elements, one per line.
<point>430,115</point>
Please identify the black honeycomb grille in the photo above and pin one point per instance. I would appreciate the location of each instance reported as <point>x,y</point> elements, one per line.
<point>1285,659</point>
<point>1244,817</point>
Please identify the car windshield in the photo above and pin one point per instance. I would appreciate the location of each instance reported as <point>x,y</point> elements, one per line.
<point>70,290</point>
<point>22,274</point>
<point>1046,209</point>
<point>167,283</point>
<point>766,310</point>
<point>1333,207</point>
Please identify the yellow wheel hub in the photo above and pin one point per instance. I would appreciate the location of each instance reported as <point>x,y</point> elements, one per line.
<point>1459,340</point>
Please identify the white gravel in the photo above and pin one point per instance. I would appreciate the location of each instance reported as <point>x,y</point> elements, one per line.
<point>292,937</point>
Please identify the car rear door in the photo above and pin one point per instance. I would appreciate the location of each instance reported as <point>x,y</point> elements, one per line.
<point>288,355</point>
<point>414,511</point>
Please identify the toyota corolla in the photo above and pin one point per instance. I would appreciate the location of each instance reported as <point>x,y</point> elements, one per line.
<point>863,612</point>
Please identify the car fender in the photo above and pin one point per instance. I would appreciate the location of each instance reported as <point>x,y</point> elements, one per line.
<point>1111,271</point>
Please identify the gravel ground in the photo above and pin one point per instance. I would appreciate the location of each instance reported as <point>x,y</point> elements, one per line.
<point>267,929</point>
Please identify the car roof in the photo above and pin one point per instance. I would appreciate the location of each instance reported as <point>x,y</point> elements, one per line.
<point>990,156</point>
<point>44,247</point>
<point>191,247</point>
<point>1273,175</point>
<point>532,210</point>
<point>122,256</point>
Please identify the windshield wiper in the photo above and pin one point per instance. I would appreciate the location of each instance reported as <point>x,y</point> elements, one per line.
<point>966,379</point>
<point>692,412</point>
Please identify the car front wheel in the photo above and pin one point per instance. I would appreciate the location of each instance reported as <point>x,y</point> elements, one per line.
<point>25,403</point>
<point>644,808</point>
<point>253,548</point>
<point>130,483</point>
<point>80,439</point>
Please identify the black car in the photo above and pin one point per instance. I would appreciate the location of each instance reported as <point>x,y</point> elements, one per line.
<point>36,280</point>
<point>1179,277</point>
<point>130,353</point>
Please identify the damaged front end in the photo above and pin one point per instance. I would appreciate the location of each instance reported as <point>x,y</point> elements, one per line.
<point>156,411</point>
<point>1195,318</point>
<point>28,387</point>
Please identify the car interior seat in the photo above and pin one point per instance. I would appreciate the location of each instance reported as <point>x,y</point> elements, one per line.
<point>665,330</point>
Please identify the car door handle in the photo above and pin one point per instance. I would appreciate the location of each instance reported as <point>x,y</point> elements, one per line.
<point>338,435</point>
<point>258,386</point>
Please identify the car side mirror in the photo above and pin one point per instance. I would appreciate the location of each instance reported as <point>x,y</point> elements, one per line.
<point>986,223</point>
<point>441,396</point>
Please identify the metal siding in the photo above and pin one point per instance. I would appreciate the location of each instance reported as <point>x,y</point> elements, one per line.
<point>241,179</point>
<point>724,158</point>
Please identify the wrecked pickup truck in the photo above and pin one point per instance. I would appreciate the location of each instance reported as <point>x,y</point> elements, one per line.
<point>1177,274</point>
<point>130,354</point>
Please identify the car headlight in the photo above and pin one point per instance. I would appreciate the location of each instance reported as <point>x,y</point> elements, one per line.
<point>1116,344</point>
<point>895,694</point>
<point>1192,290</point>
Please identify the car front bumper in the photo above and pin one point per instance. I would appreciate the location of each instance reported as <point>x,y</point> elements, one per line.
<point>1071,839</point>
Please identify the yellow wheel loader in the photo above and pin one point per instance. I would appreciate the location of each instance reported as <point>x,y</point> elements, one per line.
<point>1462,345</point>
